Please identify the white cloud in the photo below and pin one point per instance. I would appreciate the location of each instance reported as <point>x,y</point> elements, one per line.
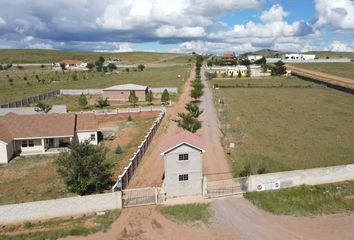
<point>171,31</point>
<point>2,22</point>
<point>273,31</point>
<point>338,46</point>
<point>274,14</point>
<point>338,15</point>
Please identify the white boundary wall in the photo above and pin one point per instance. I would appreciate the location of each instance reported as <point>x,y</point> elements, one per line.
<point>100,91</point>
<point>60,207</point>
<point>311,176</point>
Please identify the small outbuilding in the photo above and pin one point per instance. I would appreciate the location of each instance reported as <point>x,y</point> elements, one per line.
<point>183,165</point>
<point>122,92</point>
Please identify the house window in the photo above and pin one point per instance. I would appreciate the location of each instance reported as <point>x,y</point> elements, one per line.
<point>27,143</point>
<point>183,177</point>
<point>93,137</point>
<point>182,157</point>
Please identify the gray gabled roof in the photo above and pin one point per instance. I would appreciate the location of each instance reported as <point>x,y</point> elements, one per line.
<point>126,87</point>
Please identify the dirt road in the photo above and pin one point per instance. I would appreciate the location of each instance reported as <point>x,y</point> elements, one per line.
<point>333,79</point>
<point>215,160</point>
<point>237,214</point>
<point>150,171</point>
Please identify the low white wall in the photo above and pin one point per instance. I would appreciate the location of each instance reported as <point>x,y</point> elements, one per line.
<point>312,176</point>
<point>100,91</point>
<point>60,207</point>
<point>83,136</point>
<point>330,60</point>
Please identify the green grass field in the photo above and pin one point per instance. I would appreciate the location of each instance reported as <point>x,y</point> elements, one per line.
<point>339,69</point>
<point>152,77</point>
<point>59,227</point>
<point>188,212</point>
<point>280,129</point>
<point>306,200</point>
<point>49,56</point>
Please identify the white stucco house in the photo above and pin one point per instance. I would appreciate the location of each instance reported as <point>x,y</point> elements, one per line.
<point>253,58</point>
<point>44,133</point>
<point>230,71</point>
<point>183,165</point>
<point>299,56</point>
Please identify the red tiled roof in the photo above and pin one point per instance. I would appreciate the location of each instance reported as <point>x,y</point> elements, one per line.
<point>86,122</point>
<point>228,55</point>
<point>184,137</point>
<point>75,62</point>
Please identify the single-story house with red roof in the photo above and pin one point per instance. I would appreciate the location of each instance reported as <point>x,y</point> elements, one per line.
<point>122,92</point>
<point>44,133</point>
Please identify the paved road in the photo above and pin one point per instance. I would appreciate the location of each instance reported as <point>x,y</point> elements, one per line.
<point>215,160</point>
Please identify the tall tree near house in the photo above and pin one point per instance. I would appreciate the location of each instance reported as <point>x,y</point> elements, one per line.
<point>188,122</point>
<point>239,74</point>
<point>193,109</point>
<point>133,98</point>
<point>42,107</point>
<point>99,64</point>
<point>84,169</point>
<point>149,97</point>
<point>82,100</point>
<point>278,69</point>
<point>165,97</point>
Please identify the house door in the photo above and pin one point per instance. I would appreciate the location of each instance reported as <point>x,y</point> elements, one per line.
<point>50,142</point>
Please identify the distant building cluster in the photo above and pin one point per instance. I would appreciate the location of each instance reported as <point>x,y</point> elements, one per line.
<point>299,56</point>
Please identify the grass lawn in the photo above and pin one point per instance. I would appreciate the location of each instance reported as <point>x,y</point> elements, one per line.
<point>339,69</point>
<point>188,212</point>
<point>306,200</point>
<point>31,179</point>
<point>281,129</point>
<point>49,56</point>
<point>59,228</point>
<point>152,77</point>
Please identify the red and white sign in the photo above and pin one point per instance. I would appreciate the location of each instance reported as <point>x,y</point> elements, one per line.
<point>276,185</point>
<point>260,187</point>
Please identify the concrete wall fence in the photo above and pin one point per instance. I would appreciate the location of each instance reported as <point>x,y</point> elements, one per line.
<point>32,211</point>
<point>312,176</point>
<point>100,91</point>
<point>124,179</point>
<point>30,100</point>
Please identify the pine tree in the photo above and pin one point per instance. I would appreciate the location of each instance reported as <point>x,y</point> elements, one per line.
<point>133,98</point>
<point>165,97</point>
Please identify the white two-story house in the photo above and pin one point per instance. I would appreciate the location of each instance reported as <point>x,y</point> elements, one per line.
<point>183,165</point>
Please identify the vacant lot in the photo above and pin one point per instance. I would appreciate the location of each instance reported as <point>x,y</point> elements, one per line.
<point>36,178</point>
<point>307,200</point>
<point>49,56</point>
<point>32,84</point>
<point>338,69</point>
<point>278,129</point>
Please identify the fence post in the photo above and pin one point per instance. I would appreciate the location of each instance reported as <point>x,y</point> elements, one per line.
<point>155,195</point>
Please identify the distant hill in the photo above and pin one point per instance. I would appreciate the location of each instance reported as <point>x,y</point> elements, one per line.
<point>48,56</point>
<point>319,54</point>
<point>268,53</point>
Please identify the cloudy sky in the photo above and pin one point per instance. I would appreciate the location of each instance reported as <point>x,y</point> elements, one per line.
<point>210,26</point>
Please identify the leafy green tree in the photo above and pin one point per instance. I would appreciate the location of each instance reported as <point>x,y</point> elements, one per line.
<point>82,100</point>
<point>99,64</point>
<point>245,62</point>
<point>278,69</point>
<point>11,81</point>
<point>239,74</point>
<point>42,107</point>
<point>193,109</point>
<point>101,103</point>
<point>188,122</point>
<point>118,150</point>
<point>90,66</point>
<point>84,169</point>
<point>111,67</point>
<point>133,98</point>
<point>149,97</point>
<point>165,97</point>
<point>141,67</point>
<point>196,93</point>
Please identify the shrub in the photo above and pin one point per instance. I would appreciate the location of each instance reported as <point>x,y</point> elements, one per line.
<point>130,118</point>
<point>118,150</point>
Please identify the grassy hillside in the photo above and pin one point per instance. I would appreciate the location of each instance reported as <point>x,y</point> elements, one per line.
<point>47,56</point>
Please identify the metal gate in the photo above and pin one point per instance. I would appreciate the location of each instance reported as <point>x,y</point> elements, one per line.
<point>142,196</point>
<point>226,187</point>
